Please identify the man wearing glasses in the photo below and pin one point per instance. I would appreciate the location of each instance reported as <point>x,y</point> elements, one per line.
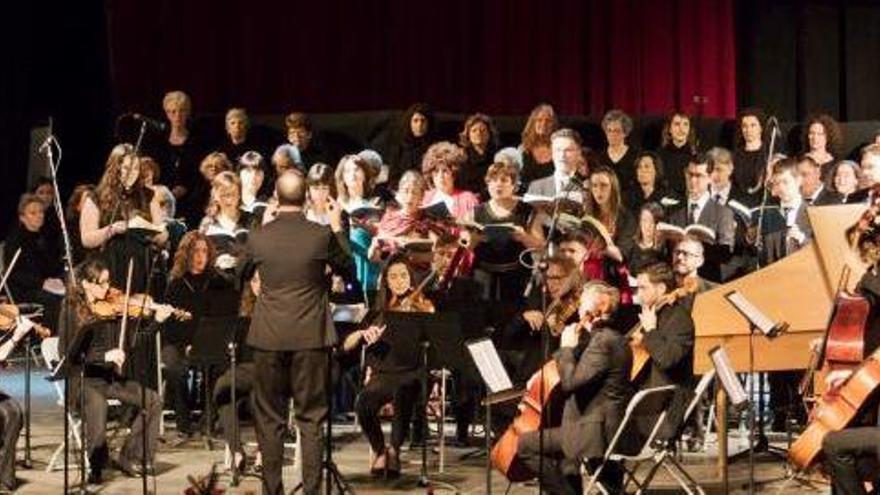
<point>687,258</point>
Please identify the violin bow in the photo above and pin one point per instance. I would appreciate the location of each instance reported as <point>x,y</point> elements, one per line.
<point>8,273</point>
<point>124,324</point>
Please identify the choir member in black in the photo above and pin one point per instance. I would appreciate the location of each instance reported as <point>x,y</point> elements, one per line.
<point>225,223</point>
<point>646,248</point>
<point>522,339</point>
<point>193,280</point>
<point>417,132</point>
<point>36,277</point>
<point>851,455</point>
<point>813,189</point>
<point>301,133</point>
<point>244,384</point>
<point>844,178</point>
<point>870,165</point>
<point>667,335</point>
<point>394,374</point>
<point>649,185</point>
<point>750,154</point>
<point>479,138</point>
<point>678,144</point>
<point>178,151</point>
<point>497,257</point>
<point>237,140</point>
<point>594,361</point>
<point>120,197</point>
<point>252,173</point>
<point>200,197</point>
<point>822,139</point>
<point>72,213</point>
<point>725,191</point>
<point>44,190</point>
<point>618,155</point>
<point>537,155</point>
<point>91,341</point>
<point>702,209</point>
<point>11,416</point>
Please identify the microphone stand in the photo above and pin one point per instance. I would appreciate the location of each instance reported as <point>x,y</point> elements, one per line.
<point>539,276</point>
<point>759,241</point>
<point>48,146</point>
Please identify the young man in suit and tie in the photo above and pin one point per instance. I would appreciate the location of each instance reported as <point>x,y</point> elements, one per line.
<point>292,329</point>
<point>701,208</point>
<point>594,362</point>
<point>813,189</point>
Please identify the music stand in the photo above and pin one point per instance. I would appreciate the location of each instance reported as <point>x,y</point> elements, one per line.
<point>211,347</point>
<point>758,322</point>
<point>499,389</point>
<point>436,338</point>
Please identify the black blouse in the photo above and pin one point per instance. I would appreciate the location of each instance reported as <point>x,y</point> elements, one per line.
<point>501,250</point>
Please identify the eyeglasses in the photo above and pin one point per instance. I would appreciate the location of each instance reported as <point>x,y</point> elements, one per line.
<point>686,254</point>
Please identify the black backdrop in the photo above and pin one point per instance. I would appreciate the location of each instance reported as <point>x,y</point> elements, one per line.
<point>792,57</point>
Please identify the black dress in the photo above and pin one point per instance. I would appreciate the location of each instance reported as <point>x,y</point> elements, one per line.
<point>179,165</point>
<point>748,166</point>
<point>472,175</point>
<point>675,162</point>
<point>38,261</point>
<point>533,171</point>
<point>407,155</point>
<point>625,168</point>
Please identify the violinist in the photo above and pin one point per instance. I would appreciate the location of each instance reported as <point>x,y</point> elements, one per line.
<point>91,341</point>
<point>522,338</point>
<point>11,416</point>
<point>393,376</point>
<point>594,362</point>
<point>667,335</point>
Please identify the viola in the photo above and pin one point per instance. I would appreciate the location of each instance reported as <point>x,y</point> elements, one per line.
<point>835,410</point>
<point>139,305</point>
<point>9,315</point>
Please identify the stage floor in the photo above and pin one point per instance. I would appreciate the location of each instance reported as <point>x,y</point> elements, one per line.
<point>176,462</point>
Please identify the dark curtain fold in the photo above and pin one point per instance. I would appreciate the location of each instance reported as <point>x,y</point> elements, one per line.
<point>500,56</point>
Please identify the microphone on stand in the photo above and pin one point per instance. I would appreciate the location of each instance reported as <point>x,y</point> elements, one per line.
<point>155,124</point>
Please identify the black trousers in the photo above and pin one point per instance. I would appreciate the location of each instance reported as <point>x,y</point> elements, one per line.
<point>404,389</point>
<point>128,392</point>
<point>10,426</point>
<point>280,375</point>
<point>244,384</point>
<point>176,390</point>
<point>851,455</point>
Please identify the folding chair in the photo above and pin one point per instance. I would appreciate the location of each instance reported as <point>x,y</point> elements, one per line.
<point>663,455</point>
<point>638,406</point>
<point>52,358</point>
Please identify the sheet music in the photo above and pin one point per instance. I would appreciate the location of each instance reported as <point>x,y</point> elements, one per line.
<point>753,314</point>
<point>348,313</point>
<point>486,358</point>
<point>724,371</point>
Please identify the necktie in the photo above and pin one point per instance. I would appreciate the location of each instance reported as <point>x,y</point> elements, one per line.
<point>694,213</point>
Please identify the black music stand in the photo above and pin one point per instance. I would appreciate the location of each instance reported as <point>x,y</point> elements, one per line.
<point>436,339</point>
<point>759,323</point>
<point>499,389</point>
<point>210,347</point>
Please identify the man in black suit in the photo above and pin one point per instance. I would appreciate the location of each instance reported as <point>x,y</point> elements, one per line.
<point>813,189</point>
<point>724,191</point>
<point>667,334</point>
<point>595,379</point>
<point>702,209</point>
<point>292,329</point>
<point>687,258</point>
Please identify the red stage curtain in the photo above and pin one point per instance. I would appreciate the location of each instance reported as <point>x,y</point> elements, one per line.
<point>497,56</point>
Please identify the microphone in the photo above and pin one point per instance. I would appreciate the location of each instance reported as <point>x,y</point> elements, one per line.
<point>155,124</point>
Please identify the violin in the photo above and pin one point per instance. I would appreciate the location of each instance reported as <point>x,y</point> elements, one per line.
<point>9,315</point>
<point>139,305</point>
<point>564,307</point>
<point>640,354</point>
<point>415,301</point>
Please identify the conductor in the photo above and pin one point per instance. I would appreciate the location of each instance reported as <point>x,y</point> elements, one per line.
<point>292,329</point>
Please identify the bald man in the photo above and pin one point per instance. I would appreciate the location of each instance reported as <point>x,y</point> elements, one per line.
<point>292,329</point>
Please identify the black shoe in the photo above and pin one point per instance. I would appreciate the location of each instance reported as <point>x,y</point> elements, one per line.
<point>95,477</point>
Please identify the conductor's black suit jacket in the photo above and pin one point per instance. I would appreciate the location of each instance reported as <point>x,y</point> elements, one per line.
<point>291,255</point>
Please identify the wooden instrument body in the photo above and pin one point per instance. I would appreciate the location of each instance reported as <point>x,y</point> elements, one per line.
<point>835,410</point>
<point>532,411</point>
<point>846,333</point>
